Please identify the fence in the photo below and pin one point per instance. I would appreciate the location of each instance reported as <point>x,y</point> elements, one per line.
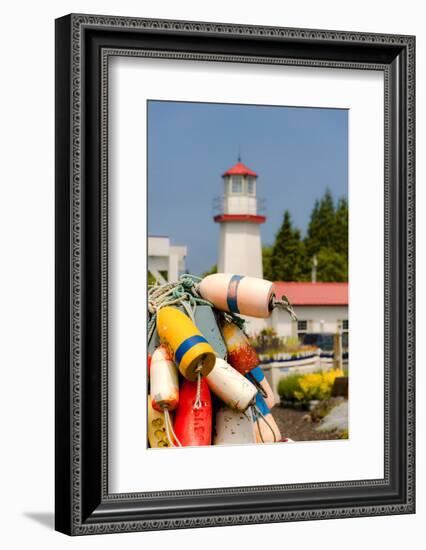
<point>282,365</point>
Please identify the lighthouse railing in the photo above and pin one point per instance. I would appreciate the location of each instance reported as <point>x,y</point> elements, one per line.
<point>220,205</point>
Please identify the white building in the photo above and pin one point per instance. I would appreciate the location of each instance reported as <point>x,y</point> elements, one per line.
<point>165,261</point>
<point>320,308</point>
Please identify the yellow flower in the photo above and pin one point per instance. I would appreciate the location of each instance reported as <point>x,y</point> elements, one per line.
<point>316,385</point>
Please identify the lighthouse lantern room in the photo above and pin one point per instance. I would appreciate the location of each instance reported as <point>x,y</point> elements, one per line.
<point>240,247</point>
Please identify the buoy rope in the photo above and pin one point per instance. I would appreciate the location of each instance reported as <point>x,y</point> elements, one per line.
<point>182,292</point>
<point>258,413</point>
<point>284,303</point>
<point>258,385</point>
<point>197,403</point>
<point>232,318</point>
<point>169,430</point>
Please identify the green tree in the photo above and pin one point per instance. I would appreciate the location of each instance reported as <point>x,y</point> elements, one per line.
<point>311,240</point>
<point>211,271</point>
<point>327,239</point>
<point>341,227</point>
<point>332,266</point>
<point>288,253</point>
<point>322,226</point>
<point>266,260</point>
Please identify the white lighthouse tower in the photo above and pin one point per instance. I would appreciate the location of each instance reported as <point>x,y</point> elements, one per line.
<point>240,247</point>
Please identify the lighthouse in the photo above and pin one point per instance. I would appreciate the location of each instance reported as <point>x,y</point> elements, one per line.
<point>240,247</point>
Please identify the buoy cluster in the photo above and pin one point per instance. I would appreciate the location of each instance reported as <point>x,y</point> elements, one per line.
<point>198,395</point>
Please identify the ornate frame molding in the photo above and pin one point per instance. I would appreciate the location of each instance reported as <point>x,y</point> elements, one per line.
<point>73,48</point>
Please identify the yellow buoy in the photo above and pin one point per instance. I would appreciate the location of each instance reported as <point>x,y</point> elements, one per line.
<point>157,435</point>
<point>191,351</point>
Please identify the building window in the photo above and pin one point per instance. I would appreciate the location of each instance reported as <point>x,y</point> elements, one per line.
<point>302,329</point>
<point>345,325</point>
<point>250,186</point>
<point>237,184</point>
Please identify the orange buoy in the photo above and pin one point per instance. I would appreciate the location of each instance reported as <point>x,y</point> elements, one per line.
<point>193,424</point>
<point>164,381</point>
<point>233,427</point>
<point>157,435</point>
<point>238,294</point>
<point>230,386</point>
<point>241,355</point>
<point>191,351</point>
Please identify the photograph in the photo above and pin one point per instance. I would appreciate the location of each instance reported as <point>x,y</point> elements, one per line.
<point>248,312</point>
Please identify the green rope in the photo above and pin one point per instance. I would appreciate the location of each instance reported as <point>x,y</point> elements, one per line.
<point>182,292</point>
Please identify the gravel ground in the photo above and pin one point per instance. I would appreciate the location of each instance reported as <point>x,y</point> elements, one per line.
<point>336,419</point>
<point>294,423</point>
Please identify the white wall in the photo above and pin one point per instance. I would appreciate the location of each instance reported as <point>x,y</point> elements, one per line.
<point>240,249</point>
<point>330,315</point>
<point>164,257</point>
<point>26,218</point>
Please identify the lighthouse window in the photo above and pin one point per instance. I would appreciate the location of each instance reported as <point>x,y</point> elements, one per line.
<point>237,184</point>
<point>251,186</point>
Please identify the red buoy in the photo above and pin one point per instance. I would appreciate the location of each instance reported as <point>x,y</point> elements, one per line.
<point>193,426</point>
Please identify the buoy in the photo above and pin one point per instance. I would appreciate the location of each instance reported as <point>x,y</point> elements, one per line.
<point>149,365</point>
<point>206,323</point>
<point>241,355</point>
<point>233,427</point>
<point>164,381</point>
<point>191,351</point>
<point>238,294</point>
<point>266,429</point>
<point>157,435</point>
<point>230,386</point>
<point>165,388</point>
<point>257,377</point>
<point>193,424</point>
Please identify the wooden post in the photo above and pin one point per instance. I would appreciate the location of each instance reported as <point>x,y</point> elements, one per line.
<point>337,348</point>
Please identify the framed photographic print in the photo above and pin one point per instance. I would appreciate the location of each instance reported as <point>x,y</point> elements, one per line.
<point>234,274</point>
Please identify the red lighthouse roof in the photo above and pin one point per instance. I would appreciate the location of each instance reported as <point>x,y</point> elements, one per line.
<point>239,170</point>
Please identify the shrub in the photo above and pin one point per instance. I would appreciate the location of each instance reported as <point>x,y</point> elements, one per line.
<point>268,342</point>
<point>288,385</point>
<point>307,387</point>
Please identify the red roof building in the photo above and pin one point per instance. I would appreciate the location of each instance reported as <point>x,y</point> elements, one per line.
<point>239,169</point>
<point>313,294</point>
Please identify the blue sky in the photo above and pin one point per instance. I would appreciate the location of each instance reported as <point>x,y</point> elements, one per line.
<point>297,153</point>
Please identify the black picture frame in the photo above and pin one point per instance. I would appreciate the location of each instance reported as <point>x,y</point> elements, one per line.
<point>83,46</point>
